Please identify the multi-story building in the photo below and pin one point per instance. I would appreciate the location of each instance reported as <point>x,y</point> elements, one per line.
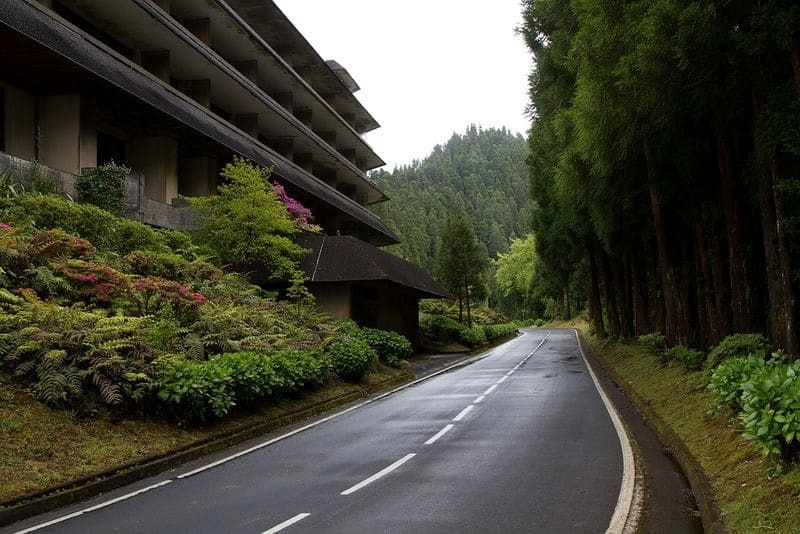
<point>174,89</point>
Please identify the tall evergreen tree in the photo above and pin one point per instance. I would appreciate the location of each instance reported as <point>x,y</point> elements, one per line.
<point>461,263</point>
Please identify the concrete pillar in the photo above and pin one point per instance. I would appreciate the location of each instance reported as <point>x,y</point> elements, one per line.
<point>59,132</point>
<point>328,137</point>
<point>20,124</point>
<point>305,161</point>
<point>348,190</point>
<point>249,69</point>
<point>201,28</point>
<point>156,62</point>
<point>199,91</point>
<point>88,138</point>
<point>157,159</point>
<point>304,115</point>
<point>248,123</point>
<point>197,177</point>
<point>284,100</point>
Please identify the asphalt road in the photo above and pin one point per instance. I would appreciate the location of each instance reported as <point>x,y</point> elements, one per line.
<point>518,441</point>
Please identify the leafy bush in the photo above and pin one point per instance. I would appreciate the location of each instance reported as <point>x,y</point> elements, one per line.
<point>771,409</point>
<point>737,345</point>
<point>727,380</point>
<point>498,331</point>
<point>691,359</point>
<point>103,186</point>
<point>655,342</point>
<point>301,368</point>
<point>104,230</point>
<point>351,357</point>
<point>472,337</point>
<point>390,346</point>
<point>194,391</point>
<point>538,323</point>
<point>441,327</point>
<point>247,225</point>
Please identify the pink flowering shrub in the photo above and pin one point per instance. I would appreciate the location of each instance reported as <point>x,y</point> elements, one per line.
<point>97,283</point>
<point>154,294</point>
<point>300,214</point>
<point>57,243</point>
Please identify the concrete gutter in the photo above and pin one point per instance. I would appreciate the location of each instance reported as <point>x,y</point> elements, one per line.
<point>710,513</point>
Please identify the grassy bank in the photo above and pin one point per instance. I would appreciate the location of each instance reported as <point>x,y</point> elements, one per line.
<point>44,447</point>
<point>751,497</point>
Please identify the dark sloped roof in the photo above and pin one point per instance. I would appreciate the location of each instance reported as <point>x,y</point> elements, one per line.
<point>348,259</point>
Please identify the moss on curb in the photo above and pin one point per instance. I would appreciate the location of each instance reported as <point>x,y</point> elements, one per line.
<point>739,489</point>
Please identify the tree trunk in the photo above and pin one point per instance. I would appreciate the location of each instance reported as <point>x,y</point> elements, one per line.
<point>609,297</point>
<point>708,301</point>
<point>790,319</point>
<point>595,311</point>
<point>466,297</point>
<point>639,300</point>
<point>794,49</point>
<point>567,303</point>
<point>736,250</point>
<point>461,305</point>
<point>669,286</point>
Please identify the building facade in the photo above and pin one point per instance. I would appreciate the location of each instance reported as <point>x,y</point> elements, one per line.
<point>174,89</point>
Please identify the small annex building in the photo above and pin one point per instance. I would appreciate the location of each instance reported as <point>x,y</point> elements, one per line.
<point>174,90</point>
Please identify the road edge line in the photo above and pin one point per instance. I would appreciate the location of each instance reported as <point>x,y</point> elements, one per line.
<point>627,511</point>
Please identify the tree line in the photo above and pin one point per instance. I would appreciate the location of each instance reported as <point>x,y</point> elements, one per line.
<point>665,150</point>
<point>480,173</point>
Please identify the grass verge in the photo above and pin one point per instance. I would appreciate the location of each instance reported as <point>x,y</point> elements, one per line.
<point>42,447</point>
<point>750,496</point>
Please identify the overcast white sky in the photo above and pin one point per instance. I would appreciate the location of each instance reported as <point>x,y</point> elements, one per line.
<point>426,68</point>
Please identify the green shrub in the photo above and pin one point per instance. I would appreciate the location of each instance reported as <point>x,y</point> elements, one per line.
<point>194,391</point>
<point>472,337</point>
<point>727,379</point>
<point>538,323</point>
<point>390,346</point>
<point>441,327</point>
<point>494,332</point>
<point>737,345</point>
<point>103,229</point>
<point>253,375</point>
<point>103,186</point>
<point>351,357</point>
<point>691,359</point>
<point>655,342</point>
<point>771,409</point>
<point>301,368</point>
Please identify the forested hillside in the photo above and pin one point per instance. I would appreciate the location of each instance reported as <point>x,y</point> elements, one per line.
<point>666,151</point>
<point>482,172</point>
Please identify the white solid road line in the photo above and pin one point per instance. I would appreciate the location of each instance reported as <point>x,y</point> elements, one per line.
<point>382,473</point>
<point>503,379</point>
<point>439,434</point>
<point>463,413</point>
<point>93,508</point>
<point>287,523</point>
<point>489,391</point>
<point>479,399</point>
<point>626,515</point>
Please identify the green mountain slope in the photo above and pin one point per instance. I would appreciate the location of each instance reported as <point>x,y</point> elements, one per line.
<point>482,172</point>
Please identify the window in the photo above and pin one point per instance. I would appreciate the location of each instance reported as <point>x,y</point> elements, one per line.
<point>110,148</point>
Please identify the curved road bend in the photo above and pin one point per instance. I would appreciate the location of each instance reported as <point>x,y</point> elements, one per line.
<point>519,441</point>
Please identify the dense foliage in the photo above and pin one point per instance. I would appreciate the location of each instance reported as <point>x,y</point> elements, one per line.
<point>461,264</point>
<point>103,186</point>
<point>665,151</point>
<point>481,173</point>
<point>249,225</point>
<point>110,312</point>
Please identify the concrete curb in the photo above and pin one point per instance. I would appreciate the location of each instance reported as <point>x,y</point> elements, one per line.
<point>54,497</point>
<point>701,487</point>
